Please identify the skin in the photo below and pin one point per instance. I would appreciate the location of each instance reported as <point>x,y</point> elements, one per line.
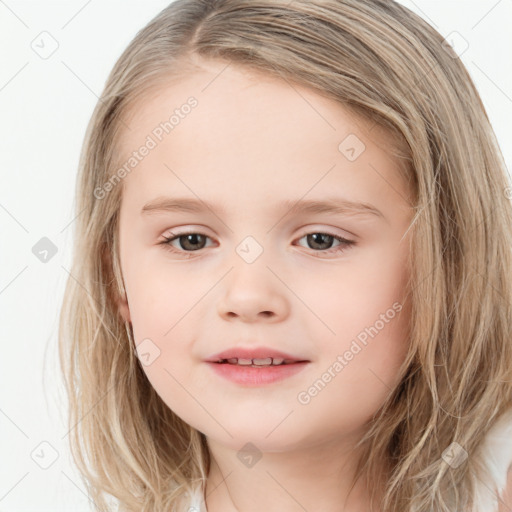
<point>252,141</point>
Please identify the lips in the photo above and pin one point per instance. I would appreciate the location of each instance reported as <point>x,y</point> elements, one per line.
<point>254,353</point>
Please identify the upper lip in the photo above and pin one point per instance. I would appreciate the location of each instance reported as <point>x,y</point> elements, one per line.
<point>252,353</point>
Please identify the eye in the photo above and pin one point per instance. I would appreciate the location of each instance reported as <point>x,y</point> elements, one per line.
<point>189,242</point>
<point>322,240</point>
<point>192,241</point>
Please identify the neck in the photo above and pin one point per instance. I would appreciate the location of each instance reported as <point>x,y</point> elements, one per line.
<point>318,477</point>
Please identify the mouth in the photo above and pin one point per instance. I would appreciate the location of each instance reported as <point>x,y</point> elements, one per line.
<point>245,373</point>
<point>255,366</point>
<point>255,356</point>
<point>259,362</point>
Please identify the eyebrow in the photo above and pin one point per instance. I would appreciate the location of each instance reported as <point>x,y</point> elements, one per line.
<point>336,205</point>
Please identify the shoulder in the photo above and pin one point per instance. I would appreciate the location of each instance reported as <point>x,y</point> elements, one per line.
<point>505,503</point>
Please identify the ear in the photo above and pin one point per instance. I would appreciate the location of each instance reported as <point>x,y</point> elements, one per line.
<point>120,301</point>
<point>123,308</point>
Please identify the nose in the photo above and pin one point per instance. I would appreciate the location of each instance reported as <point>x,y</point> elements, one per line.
<point>253,295</point>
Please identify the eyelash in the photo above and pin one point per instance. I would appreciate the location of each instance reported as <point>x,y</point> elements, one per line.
<point>346,244</point>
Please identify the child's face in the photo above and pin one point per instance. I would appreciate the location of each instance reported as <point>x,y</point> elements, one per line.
<point>250,143</point>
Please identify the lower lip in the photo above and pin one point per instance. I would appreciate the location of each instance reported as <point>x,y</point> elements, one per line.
<point>248,375</point>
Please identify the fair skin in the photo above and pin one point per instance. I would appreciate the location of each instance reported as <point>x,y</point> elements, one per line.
<point>252,142</point>
<point>505,500</point>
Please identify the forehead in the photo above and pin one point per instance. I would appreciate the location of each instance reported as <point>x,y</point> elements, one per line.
<point>218,85</point>
<point>249,128</point>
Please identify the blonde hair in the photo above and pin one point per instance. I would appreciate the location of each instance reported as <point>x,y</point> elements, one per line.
<point>382,62</point>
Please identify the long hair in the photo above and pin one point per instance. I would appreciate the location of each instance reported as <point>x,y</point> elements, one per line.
<point>382,62</point>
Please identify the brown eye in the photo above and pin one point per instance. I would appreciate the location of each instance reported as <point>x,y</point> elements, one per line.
<point>322,242</point>
<point>319,242</point>
<point>188,242</point>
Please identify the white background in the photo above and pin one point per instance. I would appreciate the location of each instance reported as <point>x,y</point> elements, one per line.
<point>45,106</point>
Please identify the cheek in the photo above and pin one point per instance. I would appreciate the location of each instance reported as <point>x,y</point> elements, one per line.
<point>353,295</point>
<point>368,321</point>
<point>360,366</point>
<point>162,299</point>
<point>163,317</point>
<point>164,346</point>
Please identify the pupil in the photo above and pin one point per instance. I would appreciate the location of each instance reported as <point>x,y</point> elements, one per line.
<point>192,238</point>
<point>324,245</point>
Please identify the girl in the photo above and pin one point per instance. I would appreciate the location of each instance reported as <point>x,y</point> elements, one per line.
<point>291,286</point>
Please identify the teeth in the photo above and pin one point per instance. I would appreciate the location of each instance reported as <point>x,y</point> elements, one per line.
<point>269,361</point>
<point>262,362</point>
